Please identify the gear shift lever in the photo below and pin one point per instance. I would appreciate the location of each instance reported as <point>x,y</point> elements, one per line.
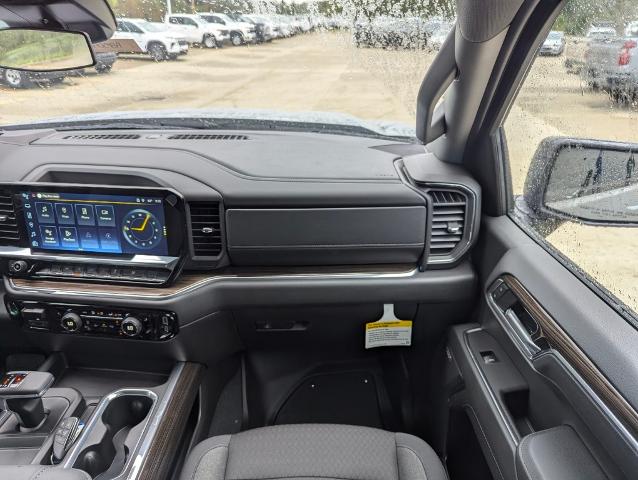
<point>22,393</point>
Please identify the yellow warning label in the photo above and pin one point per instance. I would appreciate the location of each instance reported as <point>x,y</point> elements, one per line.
<point>396,324</point>
<point>396,333</point>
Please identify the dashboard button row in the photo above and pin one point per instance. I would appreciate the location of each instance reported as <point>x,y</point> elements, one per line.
<point>104,272</point>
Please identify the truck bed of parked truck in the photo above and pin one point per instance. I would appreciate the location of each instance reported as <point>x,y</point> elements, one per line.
<point>611,63</point>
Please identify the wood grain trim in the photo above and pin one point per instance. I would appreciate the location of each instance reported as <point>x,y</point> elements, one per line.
<point>190,280</point>
<point>161,454</point>
<point>560,341</point>
<point>183,283</point>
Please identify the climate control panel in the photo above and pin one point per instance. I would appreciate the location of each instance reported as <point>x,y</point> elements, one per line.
<point>154,325</point>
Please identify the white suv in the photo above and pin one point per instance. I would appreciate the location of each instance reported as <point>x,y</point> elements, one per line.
<point>240,32</point>
<point>137,35</point>
<point>200,31</point>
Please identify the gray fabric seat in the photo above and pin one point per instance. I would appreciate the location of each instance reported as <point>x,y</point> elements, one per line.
<point>313,451</point>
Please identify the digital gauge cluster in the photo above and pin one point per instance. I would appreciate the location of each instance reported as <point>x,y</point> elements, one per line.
<point>100,223</point>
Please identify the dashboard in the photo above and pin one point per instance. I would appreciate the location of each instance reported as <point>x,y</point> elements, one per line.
<point>177,225</point>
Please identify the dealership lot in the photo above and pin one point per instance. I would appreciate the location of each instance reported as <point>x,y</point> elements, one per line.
<point>275,75</point>
<point>374,84</point>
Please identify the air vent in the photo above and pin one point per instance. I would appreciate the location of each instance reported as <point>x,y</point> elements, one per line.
<point>202,136</point>
<point>448,222</point>
<point>103,136</point>
<point>9,231</point>
<point>205,229</point>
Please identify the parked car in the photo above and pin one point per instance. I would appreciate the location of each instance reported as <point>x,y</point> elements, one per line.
<point>263,26</point>
<point>437,31</point>
<point>623,80</point>
<point>554,44</point>
<point>183,34</point>
<point>612,65</point>
<point>631,28</point>
<point>201,31</point>
<point>23,79</point>
<point>601,57</point>
<point>240,32</point>
<point>136,35</point>
<point>302,24</point>
<point>435,41</point>
<point>104,61</point>
<point>602,31</point>
<point>284,26</point>
<point>190,33</point>
<point>275,26</point>
<point>337,22</point>
<point>394,32</point>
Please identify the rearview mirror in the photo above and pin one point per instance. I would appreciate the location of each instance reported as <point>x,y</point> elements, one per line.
<point>589,181</point>
<point>44,50</point>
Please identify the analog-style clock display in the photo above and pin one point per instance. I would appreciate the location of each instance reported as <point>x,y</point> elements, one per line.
<point>141,229</point>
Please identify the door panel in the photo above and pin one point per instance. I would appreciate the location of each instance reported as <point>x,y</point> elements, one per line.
<point>548,363</point>
<point>607,338</point>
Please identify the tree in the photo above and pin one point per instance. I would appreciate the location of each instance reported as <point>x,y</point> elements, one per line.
<point>579,15</point>
<point>369,9</point>
<point>156,9</point>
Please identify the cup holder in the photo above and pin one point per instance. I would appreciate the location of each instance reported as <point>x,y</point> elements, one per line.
<point>114,436</point>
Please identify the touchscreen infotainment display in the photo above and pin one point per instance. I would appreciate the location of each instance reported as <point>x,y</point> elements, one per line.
<point>95,223</point>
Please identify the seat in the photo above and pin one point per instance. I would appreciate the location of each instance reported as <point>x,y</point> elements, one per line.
<point>308,451</point>
<point>41,472</point>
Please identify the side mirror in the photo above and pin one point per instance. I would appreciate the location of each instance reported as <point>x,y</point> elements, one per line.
<point>589,181</point>
<point>44,50</point>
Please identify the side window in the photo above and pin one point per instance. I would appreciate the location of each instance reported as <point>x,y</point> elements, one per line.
<point>189,21</point>
<point>121,27</point>
<point>134,28</point>
<point>174,20</point>
<point>572,141</point>
<point>218,20</point>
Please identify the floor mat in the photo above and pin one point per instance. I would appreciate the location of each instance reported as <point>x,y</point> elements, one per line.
<point>345,397</point>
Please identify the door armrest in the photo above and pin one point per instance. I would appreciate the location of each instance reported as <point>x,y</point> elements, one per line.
<point>555,454</point>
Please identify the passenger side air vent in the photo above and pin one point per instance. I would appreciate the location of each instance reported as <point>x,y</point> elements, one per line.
<point>206,234</point>
<point>448,220</point>
<point>9,230</point>
<point>202,136</point>
<point>103,136</point>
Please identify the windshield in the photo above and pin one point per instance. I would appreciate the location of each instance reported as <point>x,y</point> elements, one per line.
<point>554,36</point>
<point>342,62</point>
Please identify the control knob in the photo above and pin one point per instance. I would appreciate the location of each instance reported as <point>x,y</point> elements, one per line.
<point>18,267</point>
<point>131,327</point>
<point>71,322</point>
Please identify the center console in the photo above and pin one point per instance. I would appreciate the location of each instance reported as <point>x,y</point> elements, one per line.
<point>92,234</point>
<point>111,424</point>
